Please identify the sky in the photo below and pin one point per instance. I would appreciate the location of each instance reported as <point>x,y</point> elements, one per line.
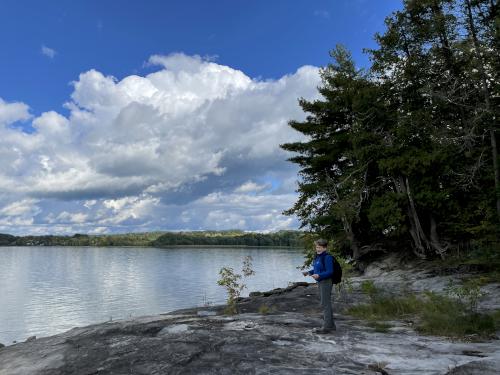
<point>133,116</point>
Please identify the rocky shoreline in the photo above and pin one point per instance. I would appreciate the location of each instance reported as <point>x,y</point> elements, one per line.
<point>271,335</point>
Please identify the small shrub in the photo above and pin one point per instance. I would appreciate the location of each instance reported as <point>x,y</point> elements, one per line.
<point>468,293</point>
<point>232,282</point>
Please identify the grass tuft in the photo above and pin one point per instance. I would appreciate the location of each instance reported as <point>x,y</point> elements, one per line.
<point>434,314</point>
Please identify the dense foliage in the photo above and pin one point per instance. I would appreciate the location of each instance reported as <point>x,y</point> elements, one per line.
<point>404,154</point>
<point>162,239</point>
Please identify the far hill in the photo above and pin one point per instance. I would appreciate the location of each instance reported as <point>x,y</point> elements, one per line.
<point>162,239</point>
<point>6,239</point>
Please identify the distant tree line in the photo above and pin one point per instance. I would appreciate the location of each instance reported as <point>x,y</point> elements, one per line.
<point>279,239</point>
<point>126,239</point>
<point>404,155</point>
<point>162,239</point>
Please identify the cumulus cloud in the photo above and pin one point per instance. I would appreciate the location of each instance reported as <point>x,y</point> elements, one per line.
<point>13,112</point>
<point>49,52</point>
<point>139,150</point>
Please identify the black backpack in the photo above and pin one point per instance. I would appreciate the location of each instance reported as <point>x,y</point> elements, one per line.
<point>337,270</point>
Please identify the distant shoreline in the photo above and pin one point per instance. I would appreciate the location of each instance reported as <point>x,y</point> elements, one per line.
<point>164,247</point>
<point>230,238</point>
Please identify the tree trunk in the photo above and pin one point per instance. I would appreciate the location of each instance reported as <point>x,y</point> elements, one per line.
<point>420,242</point>
<point>494,151</point>
<point>346,223</point>
<point>351,237</point>
<point>435,242</point>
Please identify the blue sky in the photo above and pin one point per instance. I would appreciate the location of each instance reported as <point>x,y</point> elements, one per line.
<point>77,76</point>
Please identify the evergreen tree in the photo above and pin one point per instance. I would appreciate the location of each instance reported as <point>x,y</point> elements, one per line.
<point>335,165</point>
<point>406,153</point>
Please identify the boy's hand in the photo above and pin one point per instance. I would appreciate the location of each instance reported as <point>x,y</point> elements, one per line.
<point>315,277</point>
<point>305,273</point>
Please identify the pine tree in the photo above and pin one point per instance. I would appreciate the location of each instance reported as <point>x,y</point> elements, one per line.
<point>334,168</point>
<point>406,153</point>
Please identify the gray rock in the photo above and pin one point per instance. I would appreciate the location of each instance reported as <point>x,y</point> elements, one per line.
<point>206,313</point>
<point>202,341</point>
<point>479,367</point>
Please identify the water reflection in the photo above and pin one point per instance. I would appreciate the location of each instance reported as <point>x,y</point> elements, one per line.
<point>47,290</point>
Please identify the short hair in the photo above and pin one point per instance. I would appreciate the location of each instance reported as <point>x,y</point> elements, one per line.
<point>321,242</point>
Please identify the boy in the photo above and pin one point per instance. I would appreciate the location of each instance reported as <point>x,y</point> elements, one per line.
<point>322,273</point>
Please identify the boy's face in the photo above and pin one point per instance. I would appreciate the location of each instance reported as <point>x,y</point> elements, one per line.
<point>320,249</point>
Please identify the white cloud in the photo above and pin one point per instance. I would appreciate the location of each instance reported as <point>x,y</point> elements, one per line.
<point>13,112</point>
<point>89,203</point>
<point>52,124</point>
<point>19,213</point>
<point>19,208</point>
<point>250,186</point>
<point>118,204</point>
<point>129,208</point>
<point>260,212</point>
<point>49,52</point>
<point>77,217</point>
<point>127,147</point>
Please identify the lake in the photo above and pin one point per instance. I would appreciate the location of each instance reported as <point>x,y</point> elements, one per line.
<point>48,290</point>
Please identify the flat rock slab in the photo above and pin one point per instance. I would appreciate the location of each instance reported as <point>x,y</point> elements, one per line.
<point>203,341</point>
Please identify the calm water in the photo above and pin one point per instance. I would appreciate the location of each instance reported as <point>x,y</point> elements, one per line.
<point>48,290</point>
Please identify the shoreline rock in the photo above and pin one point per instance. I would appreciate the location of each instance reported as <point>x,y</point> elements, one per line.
<point>203,341</point>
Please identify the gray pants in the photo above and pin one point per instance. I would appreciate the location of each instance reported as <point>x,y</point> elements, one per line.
<point>325,295</point>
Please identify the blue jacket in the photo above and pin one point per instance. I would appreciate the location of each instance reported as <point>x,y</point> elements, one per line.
<point>327,271</point>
